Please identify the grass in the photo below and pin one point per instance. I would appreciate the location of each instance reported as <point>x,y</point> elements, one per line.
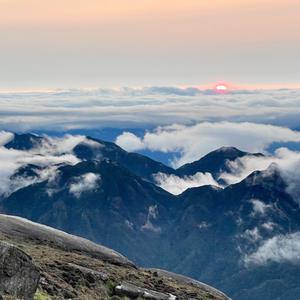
<point>41,296</point>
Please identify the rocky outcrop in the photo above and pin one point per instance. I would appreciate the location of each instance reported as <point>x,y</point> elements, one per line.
<point>188,280</point>
<point>19,277</point>
<point>90,273</point>
<point>132,291</point>
<point>24,229</point>
<point>70,267</point>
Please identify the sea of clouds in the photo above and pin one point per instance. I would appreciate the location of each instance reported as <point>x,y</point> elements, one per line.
<point>187,121</point>
<point>194,141</point>
<point>152,106</point>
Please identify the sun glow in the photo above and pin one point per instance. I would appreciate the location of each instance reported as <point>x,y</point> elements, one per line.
<point>221,88</point>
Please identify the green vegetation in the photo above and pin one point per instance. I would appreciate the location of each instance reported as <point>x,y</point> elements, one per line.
<point>111,287</point>
<point>39,295</point>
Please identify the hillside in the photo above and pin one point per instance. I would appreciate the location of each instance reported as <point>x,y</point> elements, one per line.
<point>74,268</point>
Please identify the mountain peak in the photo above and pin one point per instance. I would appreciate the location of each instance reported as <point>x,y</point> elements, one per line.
<point>25,141</point>
<point>229,150</point>
<point>269,177</point>
<point>213,162</point>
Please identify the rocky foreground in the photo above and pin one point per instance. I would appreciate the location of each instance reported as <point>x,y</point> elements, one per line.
<point>38,262</point>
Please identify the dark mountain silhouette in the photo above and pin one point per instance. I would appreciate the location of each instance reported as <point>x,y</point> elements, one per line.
<point>207,232</point>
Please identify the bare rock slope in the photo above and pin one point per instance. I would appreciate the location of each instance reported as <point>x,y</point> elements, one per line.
<point>44,263</point>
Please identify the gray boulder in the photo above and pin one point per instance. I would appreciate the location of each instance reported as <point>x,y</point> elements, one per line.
<point>133,292</point>
<point>186,280</point>
<point>19,277</point>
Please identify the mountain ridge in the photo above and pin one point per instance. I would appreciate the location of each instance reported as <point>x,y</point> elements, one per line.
<point>206,232</point>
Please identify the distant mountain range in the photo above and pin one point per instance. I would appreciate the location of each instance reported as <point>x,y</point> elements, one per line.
<point>242,238</point>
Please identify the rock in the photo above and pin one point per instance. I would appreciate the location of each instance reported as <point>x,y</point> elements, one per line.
<point>70,268</point>
<point>89,273</point>
<point>24,229</point>
<point>19,277</point>
<point>132,291</point>
<point>186,280</point>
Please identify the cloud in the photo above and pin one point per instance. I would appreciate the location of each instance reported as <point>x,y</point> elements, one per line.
<point>251,235</point>
<point>269,226</point>
<point>192,142</point>
<point>280,249</point>
<point>12,160</point>
<point>84,183</point>
<point>152,216</point>
<point>47,157</point>
<point>5,137</point>
<point>176,185</point>
<point>284,160</point>
<point>259,207</point>
<point>62,145</point>
<point>144,107</point>
<point>130,142</point>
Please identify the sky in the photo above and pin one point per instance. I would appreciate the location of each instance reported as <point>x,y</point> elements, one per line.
<point>145,71</point>
<point>114,43</point>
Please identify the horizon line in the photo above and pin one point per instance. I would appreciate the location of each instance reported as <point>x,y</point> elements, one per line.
<point>201,87</point>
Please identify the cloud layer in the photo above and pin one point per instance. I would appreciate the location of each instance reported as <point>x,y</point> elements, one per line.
<point>144,107</point>
<point>192,142</point>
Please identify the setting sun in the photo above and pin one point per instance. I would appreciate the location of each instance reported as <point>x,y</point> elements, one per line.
<point>221,88</point>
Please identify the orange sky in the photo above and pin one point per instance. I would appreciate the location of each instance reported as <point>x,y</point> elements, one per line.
<point>163,41</point>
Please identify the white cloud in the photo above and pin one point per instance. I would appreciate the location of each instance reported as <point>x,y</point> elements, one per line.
<point>259,207</point>
<point>84,183</point>
<point>129,141</point>
<point>62,145</point>
<point>285,160</point>
<point>151,216</point>
<point>127,107</point>
<point>240,168</point>
<point>176,185</point>
<point>252,235</point>
<point>12,160</point>
<point>269,226</point>
<point>47,155</point>
<point>5,137</point>
<point>281,248</point>
<point>192,142</point>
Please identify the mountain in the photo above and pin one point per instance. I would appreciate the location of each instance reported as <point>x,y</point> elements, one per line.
<point>244,239</point>
<point>116,207</point>
<point>214,162</point>
<point>91,148</point>
<point>26,141</point>
<point>220,229</point>
<point>36,259</point>
<point>95,149</point>
<point>136,163</point>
